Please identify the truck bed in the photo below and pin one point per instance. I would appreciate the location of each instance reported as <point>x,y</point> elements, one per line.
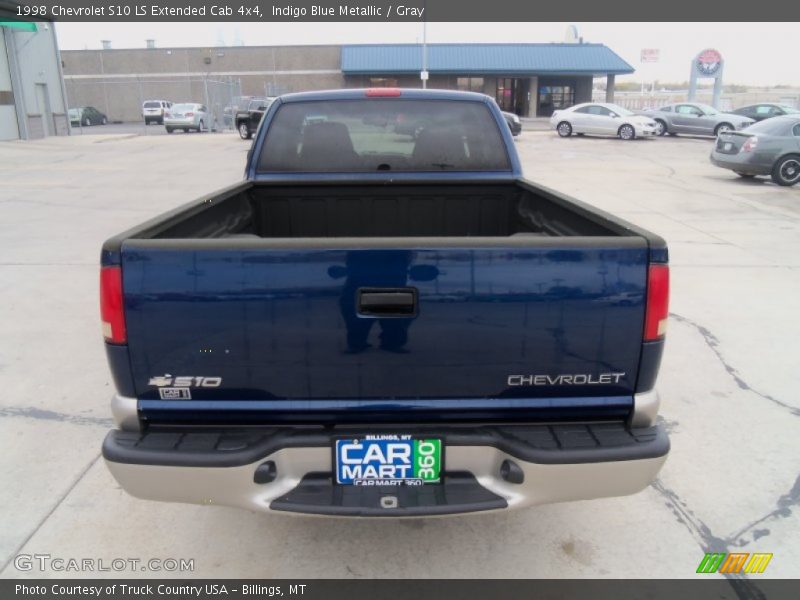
<point>259,210</point>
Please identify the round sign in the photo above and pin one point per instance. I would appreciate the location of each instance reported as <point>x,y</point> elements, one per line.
<point>708,62</point>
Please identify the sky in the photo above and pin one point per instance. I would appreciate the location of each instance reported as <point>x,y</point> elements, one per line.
<point>758,54</point>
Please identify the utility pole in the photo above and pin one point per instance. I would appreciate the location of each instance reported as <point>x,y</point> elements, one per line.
<point>424,74</point>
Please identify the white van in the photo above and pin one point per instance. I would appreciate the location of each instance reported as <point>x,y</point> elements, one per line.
<point>153,111</point>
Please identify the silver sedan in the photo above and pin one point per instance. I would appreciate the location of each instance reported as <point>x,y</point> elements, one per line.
<point>693,118</point>
<point>600,118</point>
<point>187,116</point>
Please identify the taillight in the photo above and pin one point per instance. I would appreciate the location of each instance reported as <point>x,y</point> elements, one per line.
<point>382,92</point>
<point>112,312</point>
<point>657,309</point>
<point>189,114</point>
<point>750,144</point>
<point>167,114</point>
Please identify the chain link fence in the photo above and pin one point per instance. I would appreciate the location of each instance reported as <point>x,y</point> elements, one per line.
<point>728,101</point>
<point>121,98</point>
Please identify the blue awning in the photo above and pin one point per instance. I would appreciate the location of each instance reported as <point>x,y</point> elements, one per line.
<point>484,59</point>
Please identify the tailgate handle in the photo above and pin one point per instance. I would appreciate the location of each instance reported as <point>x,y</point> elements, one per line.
<point>387,302</point>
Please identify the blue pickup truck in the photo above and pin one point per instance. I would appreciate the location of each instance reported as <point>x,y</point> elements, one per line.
<point>379,323</point>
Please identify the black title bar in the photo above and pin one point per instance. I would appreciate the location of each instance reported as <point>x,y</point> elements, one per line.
<point>399,10</point>
<point>396,589</point>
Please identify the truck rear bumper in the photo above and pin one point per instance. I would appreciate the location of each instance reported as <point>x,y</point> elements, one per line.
<point>290,469</point>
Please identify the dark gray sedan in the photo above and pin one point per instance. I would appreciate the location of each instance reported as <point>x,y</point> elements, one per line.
<point>767,110</point>
<point>770,147</point>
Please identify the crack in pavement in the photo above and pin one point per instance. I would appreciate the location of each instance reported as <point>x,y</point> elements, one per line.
<point>783,509</point>
<point>712,342</point>
<point>31,412</point>
<point>743,587</point>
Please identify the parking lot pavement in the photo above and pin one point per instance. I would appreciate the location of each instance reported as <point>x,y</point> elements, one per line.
<point>728,379</point>
<point>133,128</point>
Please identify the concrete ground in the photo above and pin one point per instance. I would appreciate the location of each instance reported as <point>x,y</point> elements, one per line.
<point>729,379</point>
<point>133,128</point>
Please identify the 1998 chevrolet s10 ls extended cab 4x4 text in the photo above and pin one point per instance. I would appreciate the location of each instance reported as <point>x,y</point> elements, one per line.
<point>377,324</point>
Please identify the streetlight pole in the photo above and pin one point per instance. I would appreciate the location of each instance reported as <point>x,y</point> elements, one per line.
<point>424,73</point>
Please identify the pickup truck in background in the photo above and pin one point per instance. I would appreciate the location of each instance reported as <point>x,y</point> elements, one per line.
<point>372,324</point>
<point>247,120</point>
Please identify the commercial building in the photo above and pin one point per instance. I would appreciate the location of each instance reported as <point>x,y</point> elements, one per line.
<point>32,95</point>
<point>529,79</point>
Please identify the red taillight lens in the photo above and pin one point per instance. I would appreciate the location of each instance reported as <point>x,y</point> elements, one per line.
<point>657,310</point>
<point>382,92</point>
<point>750,144</point>
<point>112,313</point>
<point>189,114</point>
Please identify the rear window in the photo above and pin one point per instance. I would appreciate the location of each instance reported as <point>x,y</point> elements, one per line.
<point>383,135</point>
<point>152,104</point>
<point>773,126</point>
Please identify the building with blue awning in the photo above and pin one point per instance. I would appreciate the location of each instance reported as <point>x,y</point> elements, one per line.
<point>528,79</point>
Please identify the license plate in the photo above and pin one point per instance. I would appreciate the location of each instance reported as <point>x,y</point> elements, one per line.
<point>728,146</point>
<point>388,460</point>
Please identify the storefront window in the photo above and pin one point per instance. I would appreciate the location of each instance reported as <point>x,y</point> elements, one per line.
<point>470,84</point>
<point>555,97</point>
<point>505,96</point>
<point>378,82</point>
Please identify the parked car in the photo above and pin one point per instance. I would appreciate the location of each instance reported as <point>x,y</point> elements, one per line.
<point>601,119</point>
<point>695,119</point>
<point>759,112</point>
<point>371,327</point>
<point>247,120</point>
<point>153,111</point>
<point>227,116</point>
<point>770,147</point>
<point>187,116</point>
<point>85,116</point>
<point>514,124</point>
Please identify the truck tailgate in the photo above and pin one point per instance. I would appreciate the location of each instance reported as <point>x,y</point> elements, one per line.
<point>262,321</point>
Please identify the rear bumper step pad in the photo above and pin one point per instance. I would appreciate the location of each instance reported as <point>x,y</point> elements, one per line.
<point>543,444</point>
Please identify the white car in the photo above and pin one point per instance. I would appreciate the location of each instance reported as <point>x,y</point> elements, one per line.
<point>187,116</point>
<point>154,110</point>
<point>602,119</point>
